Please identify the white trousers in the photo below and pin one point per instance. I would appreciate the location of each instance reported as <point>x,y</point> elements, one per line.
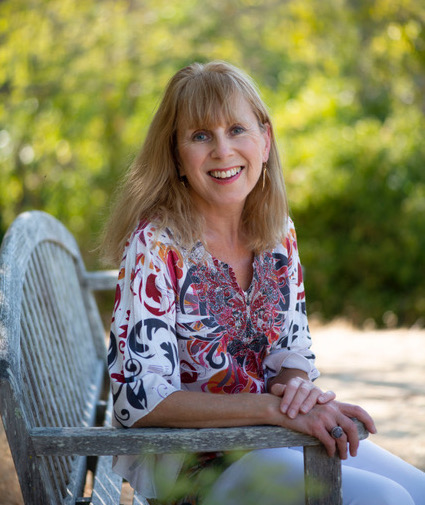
<point>276,477</point>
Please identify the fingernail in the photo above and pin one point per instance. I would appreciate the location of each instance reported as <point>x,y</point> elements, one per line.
<point>291,413</point>
<point>283,409</point>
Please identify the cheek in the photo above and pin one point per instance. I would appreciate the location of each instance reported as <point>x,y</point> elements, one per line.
<point>189,160</point>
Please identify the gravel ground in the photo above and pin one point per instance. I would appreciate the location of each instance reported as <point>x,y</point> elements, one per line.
<point>383,371</point>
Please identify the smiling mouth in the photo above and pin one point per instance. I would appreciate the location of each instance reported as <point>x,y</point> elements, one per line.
<point>226,174</point>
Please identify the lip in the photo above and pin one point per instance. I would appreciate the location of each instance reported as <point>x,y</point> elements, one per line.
<point>227,180</point>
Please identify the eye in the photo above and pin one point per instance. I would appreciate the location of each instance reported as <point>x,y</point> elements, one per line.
<point>237,129</point>
<point>200,136</point>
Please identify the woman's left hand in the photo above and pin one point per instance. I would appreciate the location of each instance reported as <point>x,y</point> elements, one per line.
<point>300,396</point>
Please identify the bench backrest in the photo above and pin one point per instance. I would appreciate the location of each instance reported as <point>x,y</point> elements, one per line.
<point>52,351</point>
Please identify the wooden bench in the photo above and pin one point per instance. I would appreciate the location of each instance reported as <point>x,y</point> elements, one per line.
<point>54,387</point>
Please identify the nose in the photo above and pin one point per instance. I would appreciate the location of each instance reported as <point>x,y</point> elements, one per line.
<point>222,147</point>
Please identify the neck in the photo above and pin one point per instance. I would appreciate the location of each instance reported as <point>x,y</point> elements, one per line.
<point>224,222</point>
<point>223,227</point>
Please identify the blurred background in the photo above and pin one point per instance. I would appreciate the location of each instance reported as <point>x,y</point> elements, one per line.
<point>345,84</point>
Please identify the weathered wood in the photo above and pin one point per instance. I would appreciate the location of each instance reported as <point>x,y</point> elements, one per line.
<point>52,366</point>
<point>106,484</point>
<point>51,352</point>
<point>98,440</point>
<point>106,440</point>
<point>139,500</point>
<point>104,280</point>
<point>322,477</point>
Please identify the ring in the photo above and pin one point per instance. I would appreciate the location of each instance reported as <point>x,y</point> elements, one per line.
<point>337,432</point>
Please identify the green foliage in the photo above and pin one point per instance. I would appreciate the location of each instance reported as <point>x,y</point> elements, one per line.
<point>261,481</point>
<point>344,80</point>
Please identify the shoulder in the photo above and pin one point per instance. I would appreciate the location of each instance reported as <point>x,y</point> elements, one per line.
<point>148,241</point>
<point>290,227</point>
<point>147,236</point>
<point>150,259</point>
<point>289,240</point>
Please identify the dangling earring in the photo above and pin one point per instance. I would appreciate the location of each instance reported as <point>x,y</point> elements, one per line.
<point>183,180</point>
<point>264,174</point>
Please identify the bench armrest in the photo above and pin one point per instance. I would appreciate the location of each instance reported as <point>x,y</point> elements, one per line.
<point>113,441</point>
<point>102,280</point>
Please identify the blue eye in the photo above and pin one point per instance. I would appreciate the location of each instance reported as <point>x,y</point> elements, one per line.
<point>199,136</point>
<point>237,130</point>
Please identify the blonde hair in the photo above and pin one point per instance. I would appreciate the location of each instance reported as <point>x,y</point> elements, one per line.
<point>198,95</point>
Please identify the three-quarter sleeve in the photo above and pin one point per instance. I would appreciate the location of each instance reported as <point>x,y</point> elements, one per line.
<point>142,357</point>
<point>292,348</point>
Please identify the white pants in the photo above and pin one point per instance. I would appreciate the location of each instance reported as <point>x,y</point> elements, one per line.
<point>276,477</point>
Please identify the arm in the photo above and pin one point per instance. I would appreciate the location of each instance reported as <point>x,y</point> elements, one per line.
<point>190,409</point>
<point>142,357</point>
<point>290,364</point>
<point>184,409</point>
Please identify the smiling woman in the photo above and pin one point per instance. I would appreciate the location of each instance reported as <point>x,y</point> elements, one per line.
<point>197,97</point>
<point>209,326</point>
<point>223,162</point>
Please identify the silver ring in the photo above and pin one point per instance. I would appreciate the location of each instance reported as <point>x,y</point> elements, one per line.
<point>337,432</point>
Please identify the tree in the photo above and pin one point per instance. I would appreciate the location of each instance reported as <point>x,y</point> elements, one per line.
<point>344,79</point>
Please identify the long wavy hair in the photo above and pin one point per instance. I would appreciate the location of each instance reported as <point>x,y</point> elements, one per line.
<point>199,95</point>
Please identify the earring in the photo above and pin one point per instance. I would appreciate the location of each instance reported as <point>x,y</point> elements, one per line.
<point>264,174</point>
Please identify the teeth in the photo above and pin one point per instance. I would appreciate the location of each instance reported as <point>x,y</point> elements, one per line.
<point>225,174</point>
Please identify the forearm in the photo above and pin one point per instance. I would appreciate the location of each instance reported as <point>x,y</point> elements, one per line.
<point>184,409</point>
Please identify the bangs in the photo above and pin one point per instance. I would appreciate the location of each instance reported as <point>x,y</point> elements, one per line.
<point>209,98</point>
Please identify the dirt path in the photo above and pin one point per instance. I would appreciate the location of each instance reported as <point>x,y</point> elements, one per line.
<point>384,371</point>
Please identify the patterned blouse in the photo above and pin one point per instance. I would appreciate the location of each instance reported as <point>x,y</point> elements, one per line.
<point>182,322</point>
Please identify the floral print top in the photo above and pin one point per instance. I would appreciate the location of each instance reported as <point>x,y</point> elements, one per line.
<point>182,322</point>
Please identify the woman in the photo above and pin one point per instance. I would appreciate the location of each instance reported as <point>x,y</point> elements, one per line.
<point>210,297</point>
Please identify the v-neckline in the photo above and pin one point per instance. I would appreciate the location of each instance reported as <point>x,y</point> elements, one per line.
<point>232,274</point>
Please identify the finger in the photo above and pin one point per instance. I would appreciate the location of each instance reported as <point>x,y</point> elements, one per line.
<point>277,389</point>
<point>326,397</point>
<point>341,440</point>
<point>328,442</point>
<point>360,414</point>
<point>342,446</point>
<point>351,434</point>
<point>290,391</point>
<point>366,419</point>
<point>305,392</point>
<point>310,401</point>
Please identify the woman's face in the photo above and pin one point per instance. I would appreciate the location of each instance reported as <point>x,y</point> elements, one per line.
<point>223,163</point>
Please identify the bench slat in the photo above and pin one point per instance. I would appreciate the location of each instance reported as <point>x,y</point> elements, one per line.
<point>76,480</point>
<point>139,500</point>
<point>107,484</point>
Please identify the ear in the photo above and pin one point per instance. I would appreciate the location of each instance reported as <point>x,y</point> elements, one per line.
<point>267,135</point>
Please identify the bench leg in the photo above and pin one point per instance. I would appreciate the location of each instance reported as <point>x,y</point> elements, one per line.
<point>322,477</point>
